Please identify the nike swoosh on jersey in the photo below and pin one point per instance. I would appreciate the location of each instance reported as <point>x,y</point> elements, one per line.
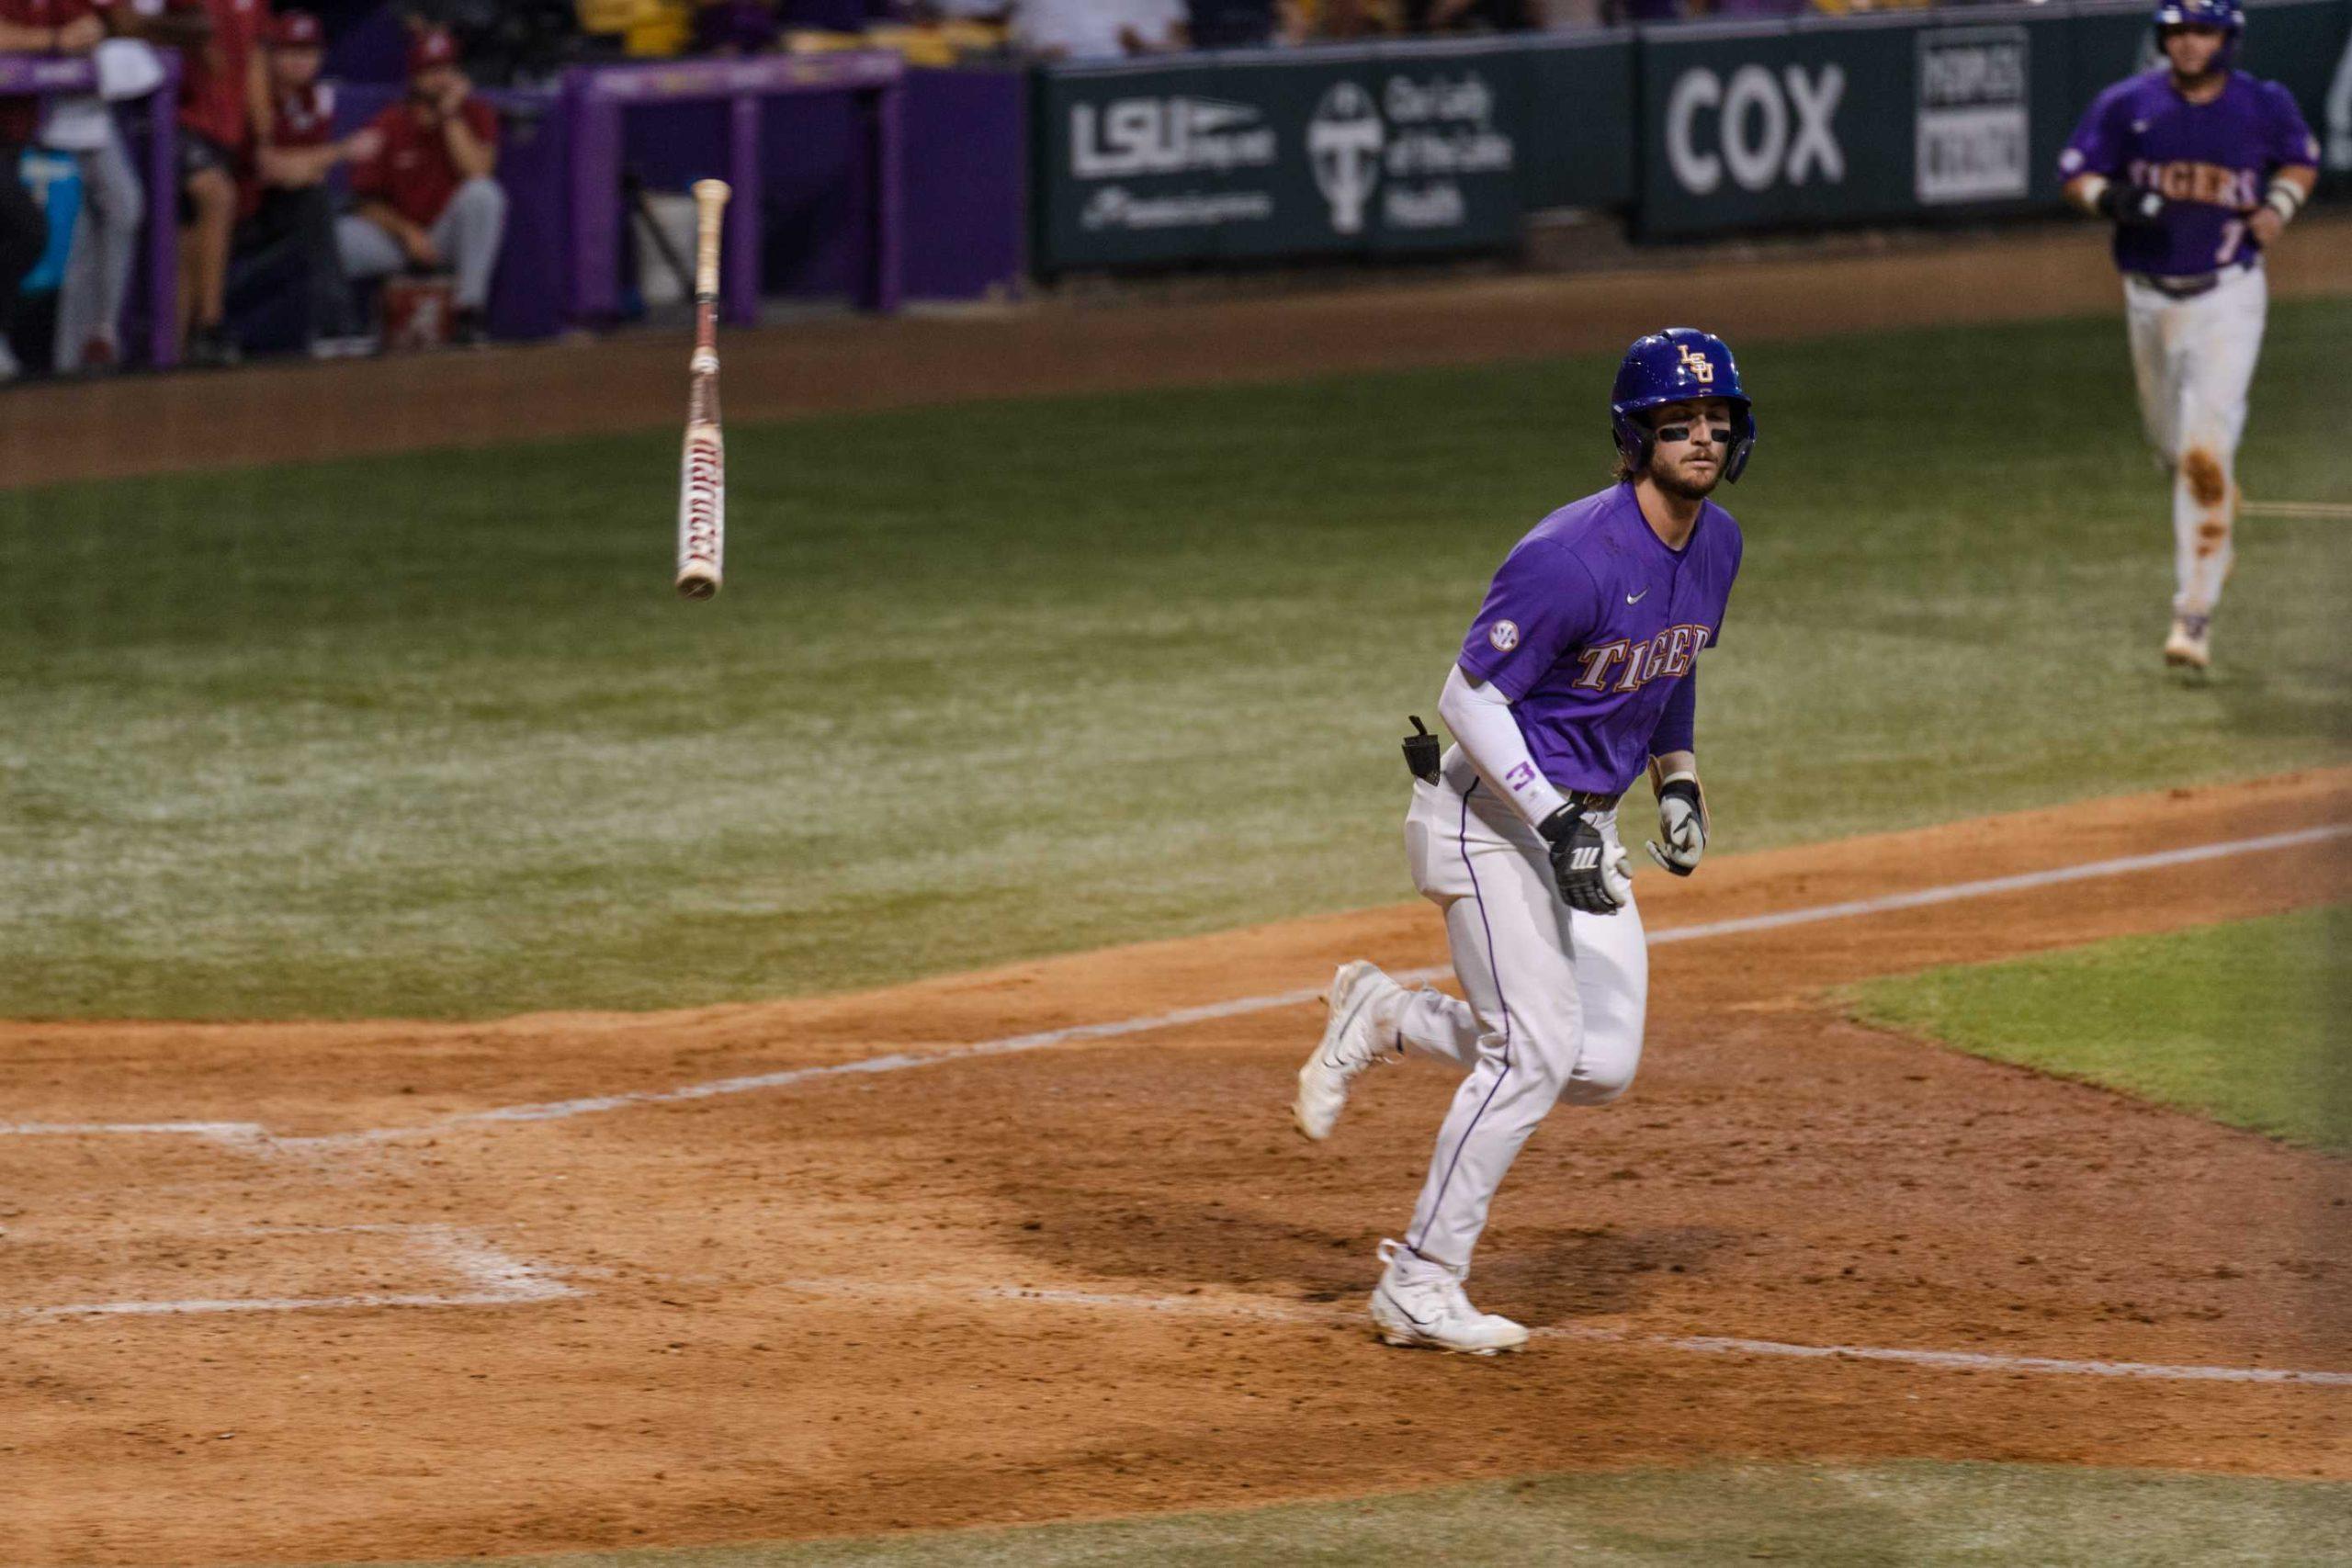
<point>1637,598</point>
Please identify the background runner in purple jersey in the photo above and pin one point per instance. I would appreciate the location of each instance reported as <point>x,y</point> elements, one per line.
<point>2209,162</point>
<point>2201,168</point>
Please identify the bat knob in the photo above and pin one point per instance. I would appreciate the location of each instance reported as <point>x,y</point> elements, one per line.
<point>697,582</point>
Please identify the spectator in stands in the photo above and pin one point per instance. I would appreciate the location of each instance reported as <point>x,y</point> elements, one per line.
<point>428,196</point>
<point>821,15</point>
<point>1320,19</point>
<point>1465,16</point>
<point>1567,16</point>
<point>289,205</point>
<point>510,42</point>
<point>29,27</point>
<point>1097,30</point>
<point>224,101</point>
<point>1232,24</point>
<point>736,27</point>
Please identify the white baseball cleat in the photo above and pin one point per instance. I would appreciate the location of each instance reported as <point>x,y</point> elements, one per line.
<point>1350,1044</point>
<point>1429,1308</point>
<point>2190,646</point>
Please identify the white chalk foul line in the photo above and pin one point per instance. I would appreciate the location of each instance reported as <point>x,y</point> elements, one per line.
<point>1242,1007</point>
<point>898,1061</point>
<point>2023,881</point>
<point>492,1277</point>
<point>235,1133</point>
<point>1981,1360</point>
<point>1695,1343</point>
<point>1718,1346</point>
<point>2314,511</point>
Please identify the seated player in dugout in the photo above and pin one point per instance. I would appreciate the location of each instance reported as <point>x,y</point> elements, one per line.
<point>428,198</point>
<point>1578,676</point>
<point>2201,167</point>
<point>289,203</point>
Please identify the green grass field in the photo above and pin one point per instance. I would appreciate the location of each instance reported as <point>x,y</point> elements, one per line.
<point>429,736</point>
<point>1928,1515</point>
<point>2243,1022</point>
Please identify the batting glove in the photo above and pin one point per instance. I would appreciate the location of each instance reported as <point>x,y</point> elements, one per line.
<point>2131,206</point>
<point>1590,870</point>
<point>1682,823</point>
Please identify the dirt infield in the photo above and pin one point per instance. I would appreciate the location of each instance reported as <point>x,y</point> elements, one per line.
<point>163,425</point>
<point>307,1292</point>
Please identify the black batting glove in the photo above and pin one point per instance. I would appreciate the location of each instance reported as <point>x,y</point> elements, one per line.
<point>2133,207</point>
<point>1581,862</point>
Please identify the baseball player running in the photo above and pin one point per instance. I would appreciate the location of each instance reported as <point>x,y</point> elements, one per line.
<point>2199,167</point>
<point>1577,674</point>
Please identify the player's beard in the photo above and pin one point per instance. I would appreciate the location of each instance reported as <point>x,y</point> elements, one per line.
<point>1686,487</point>
<point>2214,66</point>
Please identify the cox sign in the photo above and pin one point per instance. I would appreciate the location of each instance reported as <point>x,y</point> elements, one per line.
<point>1761,128</point>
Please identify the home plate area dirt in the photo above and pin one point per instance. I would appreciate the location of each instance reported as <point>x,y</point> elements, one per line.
<point>309,1292</point>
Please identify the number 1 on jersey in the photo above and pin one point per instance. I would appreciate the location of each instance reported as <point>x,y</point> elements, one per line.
<point>2233,235</point>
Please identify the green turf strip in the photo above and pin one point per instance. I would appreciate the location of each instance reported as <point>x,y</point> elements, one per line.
<point>2243,1022</point>
<point>430,735</point>
<point>1827,1517</point>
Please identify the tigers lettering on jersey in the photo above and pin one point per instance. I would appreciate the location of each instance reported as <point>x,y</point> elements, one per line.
<point>2187,181</point>
<point>1589,625</point>
<point>1668,654</point>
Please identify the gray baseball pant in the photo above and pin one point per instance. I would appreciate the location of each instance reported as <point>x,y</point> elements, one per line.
<point>106,248</point>
<point>468,234</point>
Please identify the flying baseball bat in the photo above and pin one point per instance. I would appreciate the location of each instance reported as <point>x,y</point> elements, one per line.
<point>702,474</point>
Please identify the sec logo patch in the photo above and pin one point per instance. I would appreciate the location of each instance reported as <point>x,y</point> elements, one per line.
<point>1504,635</point>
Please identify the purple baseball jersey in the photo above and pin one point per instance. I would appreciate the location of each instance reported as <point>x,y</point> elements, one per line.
<point>1591,626</point>
<point>2210,161</point>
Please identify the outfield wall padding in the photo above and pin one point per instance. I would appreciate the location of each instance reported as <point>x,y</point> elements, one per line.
<point>1692,129</point>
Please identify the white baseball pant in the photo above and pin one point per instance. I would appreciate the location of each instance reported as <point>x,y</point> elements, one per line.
<point>2194,361</point>
<point>1555,1002</point>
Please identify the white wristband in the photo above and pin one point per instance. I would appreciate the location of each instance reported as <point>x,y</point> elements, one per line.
<point>2094,187</point>
<point>2285,198</point>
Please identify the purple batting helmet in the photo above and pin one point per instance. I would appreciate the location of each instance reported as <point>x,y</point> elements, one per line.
<point>2227,14</point>
<point>1672,367</point>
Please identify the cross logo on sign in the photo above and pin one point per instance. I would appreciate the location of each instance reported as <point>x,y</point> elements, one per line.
<point>1701,369</point>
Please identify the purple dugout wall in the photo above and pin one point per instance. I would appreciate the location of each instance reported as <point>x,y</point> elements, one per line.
<point>963,214</point>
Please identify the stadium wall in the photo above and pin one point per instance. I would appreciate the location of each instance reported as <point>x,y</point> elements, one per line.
<point>1691,131</point>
